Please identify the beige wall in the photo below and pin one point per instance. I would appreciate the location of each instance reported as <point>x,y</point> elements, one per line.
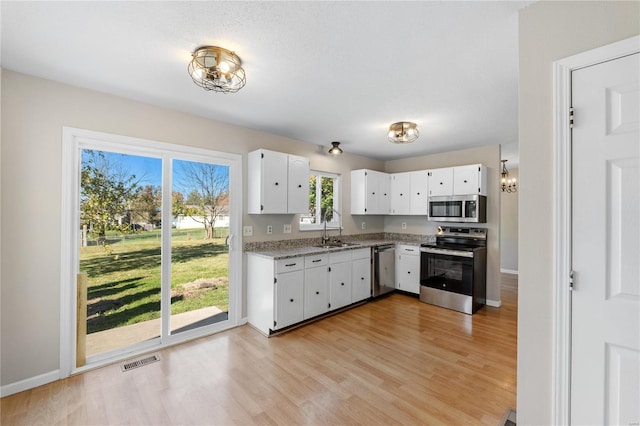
<point>549,31</point>
<point>490,157</point>
<point>33,114</point>
<point>509,227</point>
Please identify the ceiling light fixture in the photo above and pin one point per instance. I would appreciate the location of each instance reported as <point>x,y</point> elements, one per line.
<point>335,149</point>
<point>507,185</point>
<point>403,132</point>
<point>216,68</point>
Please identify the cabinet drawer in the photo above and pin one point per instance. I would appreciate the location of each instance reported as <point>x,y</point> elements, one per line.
<point>408,250</point>
<point>292,264</point>
<point>317,260</point>
<point>339,257</point>
<point>364,253</point>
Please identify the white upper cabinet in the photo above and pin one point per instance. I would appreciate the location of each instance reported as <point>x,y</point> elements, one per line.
<point>298,185</point>
<point>370,192</point>
<point>471,179</point>
<point>278,183</point>
<point>409,193</point>
<point>441,182</point>
<point>461,180</point>
<point>419,193</point>
<point>401,193</point>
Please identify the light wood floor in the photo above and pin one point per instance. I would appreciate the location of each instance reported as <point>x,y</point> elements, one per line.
<point>392,361</point>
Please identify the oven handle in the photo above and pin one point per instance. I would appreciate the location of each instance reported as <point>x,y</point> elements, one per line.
<point>446,252</point>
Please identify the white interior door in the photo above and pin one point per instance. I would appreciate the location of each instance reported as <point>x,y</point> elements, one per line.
<point>605,369</point>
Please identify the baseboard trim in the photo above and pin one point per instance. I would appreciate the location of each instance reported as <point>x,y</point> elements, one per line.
<point>494,303</point>
<point>509,271</point>
<point>29,383</point>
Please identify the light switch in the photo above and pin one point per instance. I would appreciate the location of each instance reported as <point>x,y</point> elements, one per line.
<point>404,225</point>
<point>247,231</point>
<point>287,228</point>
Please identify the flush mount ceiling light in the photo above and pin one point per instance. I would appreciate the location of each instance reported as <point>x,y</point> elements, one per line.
<point>335,149</point>
<point>403,132</point>
<point>218,69</point>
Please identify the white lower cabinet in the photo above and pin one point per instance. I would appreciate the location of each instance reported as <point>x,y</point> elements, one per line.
<point>316,285</point>
<point>288,299</point>
<point>408,268</point>
<point>285,292</point>
<point>360,275</point>
<point>340,279</point>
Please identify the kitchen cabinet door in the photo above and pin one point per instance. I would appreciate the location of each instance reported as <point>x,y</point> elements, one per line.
<point>340,285</point>
<point>316,291</point>
<point>289,299</point>
<point>408,273</point>
<point>298,184</point>
<point>441,182</point>
<point>419,193</point>
<point>401,193</point>
<point>361,279</point>
<point>384,188</point>
<point>469,180</point>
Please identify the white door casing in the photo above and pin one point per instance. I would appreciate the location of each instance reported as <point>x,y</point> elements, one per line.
<point>605,356</point>
<point>562,239</point>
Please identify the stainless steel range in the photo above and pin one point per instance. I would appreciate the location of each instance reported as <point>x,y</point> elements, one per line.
<point>453,270</point>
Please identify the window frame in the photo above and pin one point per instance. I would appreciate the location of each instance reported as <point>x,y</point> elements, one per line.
<point>333,224</point>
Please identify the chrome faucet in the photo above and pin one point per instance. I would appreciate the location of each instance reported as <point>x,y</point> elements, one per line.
<point>325,237</point>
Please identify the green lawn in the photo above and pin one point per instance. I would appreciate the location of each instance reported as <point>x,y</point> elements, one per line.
<point>124,278</point>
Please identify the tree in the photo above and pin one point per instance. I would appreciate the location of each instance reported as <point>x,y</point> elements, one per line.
<point>208,186</point>
<point>147,203</point>
<point>106,191</point>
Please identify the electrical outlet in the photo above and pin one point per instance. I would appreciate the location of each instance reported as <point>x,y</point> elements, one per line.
<point>287,228</point>
<point>269,229</point>
<point>247,231</point>
<point>404,225</point>
<point>364,225</point>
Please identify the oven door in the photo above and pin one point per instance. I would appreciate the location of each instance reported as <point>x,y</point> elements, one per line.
<point>447,271</point>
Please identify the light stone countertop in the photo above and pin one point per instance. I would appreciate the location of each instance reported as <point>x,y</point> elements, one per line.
<point>286,253</point>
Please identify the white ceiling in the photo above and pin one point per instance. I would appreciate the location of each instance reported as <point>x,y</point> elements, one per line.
<point>316,71</point>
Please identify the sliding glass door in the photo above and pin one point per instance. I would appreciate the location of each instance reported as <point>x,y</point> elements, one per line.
<point>152,250</point>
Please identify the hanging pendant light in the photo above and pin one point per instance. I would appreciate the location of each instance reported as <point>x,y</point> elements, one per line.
<point>218,69</point>
<point>335,149</point>
<point>403,132</point>
<point>507,185</point>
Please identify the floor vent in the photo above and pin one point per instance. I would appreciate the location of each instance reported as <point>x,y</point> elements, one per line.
<point>139,363</point>
<point>509,418</point>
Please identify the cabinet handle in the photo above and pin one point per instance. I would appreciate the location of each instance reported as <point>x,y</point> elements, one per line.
<point>385,193</point>
<point>317,292</point>
<point>290,264</point>
<point>341,283</point>
<point>409,249</point>
<point>400,194</point>
<point>276,183</point>
<point>373,193</point>
<point>290,300</point>
<point>299,186</point>
<point>408,272</point>
<point>362,278</point>
<point>317,260</point>
<point>465,181</point>
<point>440,183</point>
<point>418,193</point>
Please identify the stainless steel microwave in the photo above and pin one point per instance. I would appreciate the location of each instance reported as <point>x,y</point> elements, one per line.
<point>458,208</point>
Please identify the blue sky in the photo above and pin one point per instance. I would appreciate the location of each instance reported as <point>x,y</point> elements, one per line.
<point>148,169</point>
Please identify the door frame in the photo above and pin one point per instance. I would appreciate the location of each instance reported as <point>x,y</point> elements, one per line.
<point>72,140</point>
<point>561,361</point>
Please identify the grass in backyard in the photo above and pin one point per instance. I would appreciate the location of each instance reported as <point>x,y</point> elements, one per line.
<point>124,281</point>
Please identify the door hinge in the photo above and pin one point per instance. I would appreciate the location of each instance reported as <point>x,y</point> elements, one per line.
<point>274,323</point>
<point>329,305</point>
<point>571,280</point>
<point>329,268</point>
<point>262,156</point>
<point>275,280</point>
<point>571,114</point>
<point>261,207</point>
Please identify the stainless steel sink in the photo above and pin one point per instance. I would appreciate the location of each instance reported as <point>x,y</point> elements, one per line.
<point>334,245</point>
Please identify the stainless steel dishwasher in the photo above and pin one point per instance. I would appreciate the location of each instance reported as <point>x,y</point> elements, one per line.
<point>383,269</point>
